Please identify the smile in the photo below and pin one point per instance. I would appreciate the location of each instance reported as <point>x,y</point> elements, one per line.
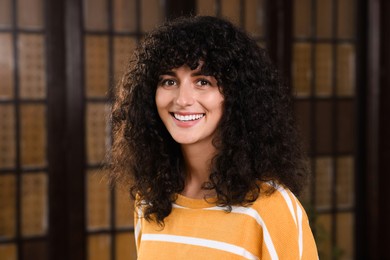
<point>186,118</point>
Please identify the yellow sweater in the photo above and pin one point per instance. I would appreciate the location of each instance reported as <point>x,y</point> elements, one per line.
<point>274,227</point>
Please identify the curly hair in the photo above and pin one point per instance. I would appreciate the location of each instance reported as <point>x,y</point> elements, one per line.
<point>256,138</point>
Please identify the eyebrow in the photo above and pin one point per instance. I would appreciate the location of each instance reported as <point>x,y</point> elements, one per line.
<point>172,73</point>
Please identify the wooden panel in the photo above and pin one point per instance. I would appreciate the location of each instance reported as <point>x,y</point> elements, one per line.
<point>7,206</point>
<point>35,250</point>
<point>301,69</point>
<point>6,66</point>
<point>302,18</point>
<point>346,68</point>
<point>99,247</point>
<point>34,204</point>
<point>324,19</point>
<point>7,136</point>
<point>345,236</point>
<point>231,10</point>
<point>206,7</point>
<point>124,208</point>
<point>5,14</point>
<point>324,124</point>
<point>33,135</point>
<point>98,201</point>
<point>30,14</point>
<point>32,66</point>
<point>98,135</point>
<point>125,15</point>
<point>125,246</point>
<point>323,67</point>
<point>151,14</point>
<point>346,19</point>
<point>346,127</point>
<point>96,66</point>
<point>96,15</point>
<point>324,171</point>
<point>323,236</point>
<point>255,17</point>
<point>345,181</point>
<point>123,49</point>
<point>8,251</point>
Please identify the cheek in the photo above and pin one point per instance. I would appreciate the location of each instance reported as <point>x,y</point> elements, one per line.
<point>216,103</point>
<point>160,98</point>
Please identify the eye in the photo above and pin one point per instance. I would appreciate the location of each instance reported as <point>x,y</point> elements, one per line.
<point>203,82</point>
<point>167,82</point>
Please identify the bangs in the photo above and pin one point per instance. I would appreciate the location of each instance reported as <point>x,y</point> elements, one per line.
<point>174,46</point>
<point>191,54</point>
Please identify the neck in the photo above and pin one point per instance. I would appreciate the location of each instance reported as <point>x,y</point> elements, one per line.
<point>197,160</point>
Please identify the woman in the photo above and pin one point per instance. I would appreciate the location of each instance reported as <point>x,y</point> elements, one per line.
<point>203,130</point>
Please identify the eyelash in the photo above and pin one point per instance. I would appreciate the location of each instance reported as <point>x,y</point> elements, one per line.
<point>165,82</point>
<point>204,81</point>
<point>172,82</point>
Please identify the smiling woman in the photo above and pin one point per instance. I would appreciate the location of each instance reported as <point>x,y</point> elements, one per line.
<point>190,106</point>
<point>204,137</point>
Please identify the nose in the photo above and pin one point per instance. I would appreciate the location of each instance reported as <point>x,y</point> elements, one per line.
<point>185,95</point>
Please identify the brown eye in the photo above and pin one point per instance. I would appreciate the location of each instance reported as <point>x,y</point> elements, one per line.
<point>203,82</point>
<point>168,82</point>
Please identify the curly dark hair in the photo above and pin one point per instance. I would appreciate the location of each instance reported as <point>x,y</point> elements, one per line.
<point>256,138</point>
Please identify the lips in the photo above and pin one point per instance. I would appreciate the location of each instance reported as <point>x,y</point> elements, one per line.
<point>187,117</point>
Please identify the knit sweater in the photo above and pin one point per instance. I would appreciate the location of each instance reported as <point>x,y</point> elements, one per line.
<point>274,227</point>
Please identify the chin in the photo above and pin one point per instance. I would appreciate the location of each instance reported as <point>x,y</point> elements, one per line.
<point>184,141</point>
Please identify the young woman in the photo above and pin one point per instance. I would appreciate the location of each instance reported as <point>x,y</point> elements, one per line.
<point>203,132</point>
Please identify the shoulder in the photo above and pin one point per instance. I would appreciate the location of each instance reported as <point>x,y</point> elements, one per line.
<point>284,223</point>
<point>275,199</point>
<point>278,208</point>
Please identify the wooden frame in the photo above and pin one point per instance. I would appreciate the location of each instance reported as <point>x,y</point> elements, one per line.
<point>66,154</point>
<point>373,208</point>
<point>56,124</point>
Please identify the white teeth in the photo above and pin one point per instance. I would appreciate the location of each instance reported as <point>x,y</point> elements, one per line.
<point>188,117</point>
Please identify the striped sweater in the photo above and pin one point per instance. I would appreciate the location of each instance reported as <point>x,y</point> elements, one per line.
<point>273,227</point>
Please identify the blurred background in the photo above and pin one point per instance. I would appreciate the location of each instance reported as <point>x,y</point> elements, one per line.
<point>59,61</point>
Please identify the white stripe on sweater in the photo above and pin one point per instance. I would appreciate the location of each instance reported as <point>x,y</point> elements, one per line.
<point>254,214</point>
<point>200,242</point>
<point>300,234</point>
<point>288,201</point>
